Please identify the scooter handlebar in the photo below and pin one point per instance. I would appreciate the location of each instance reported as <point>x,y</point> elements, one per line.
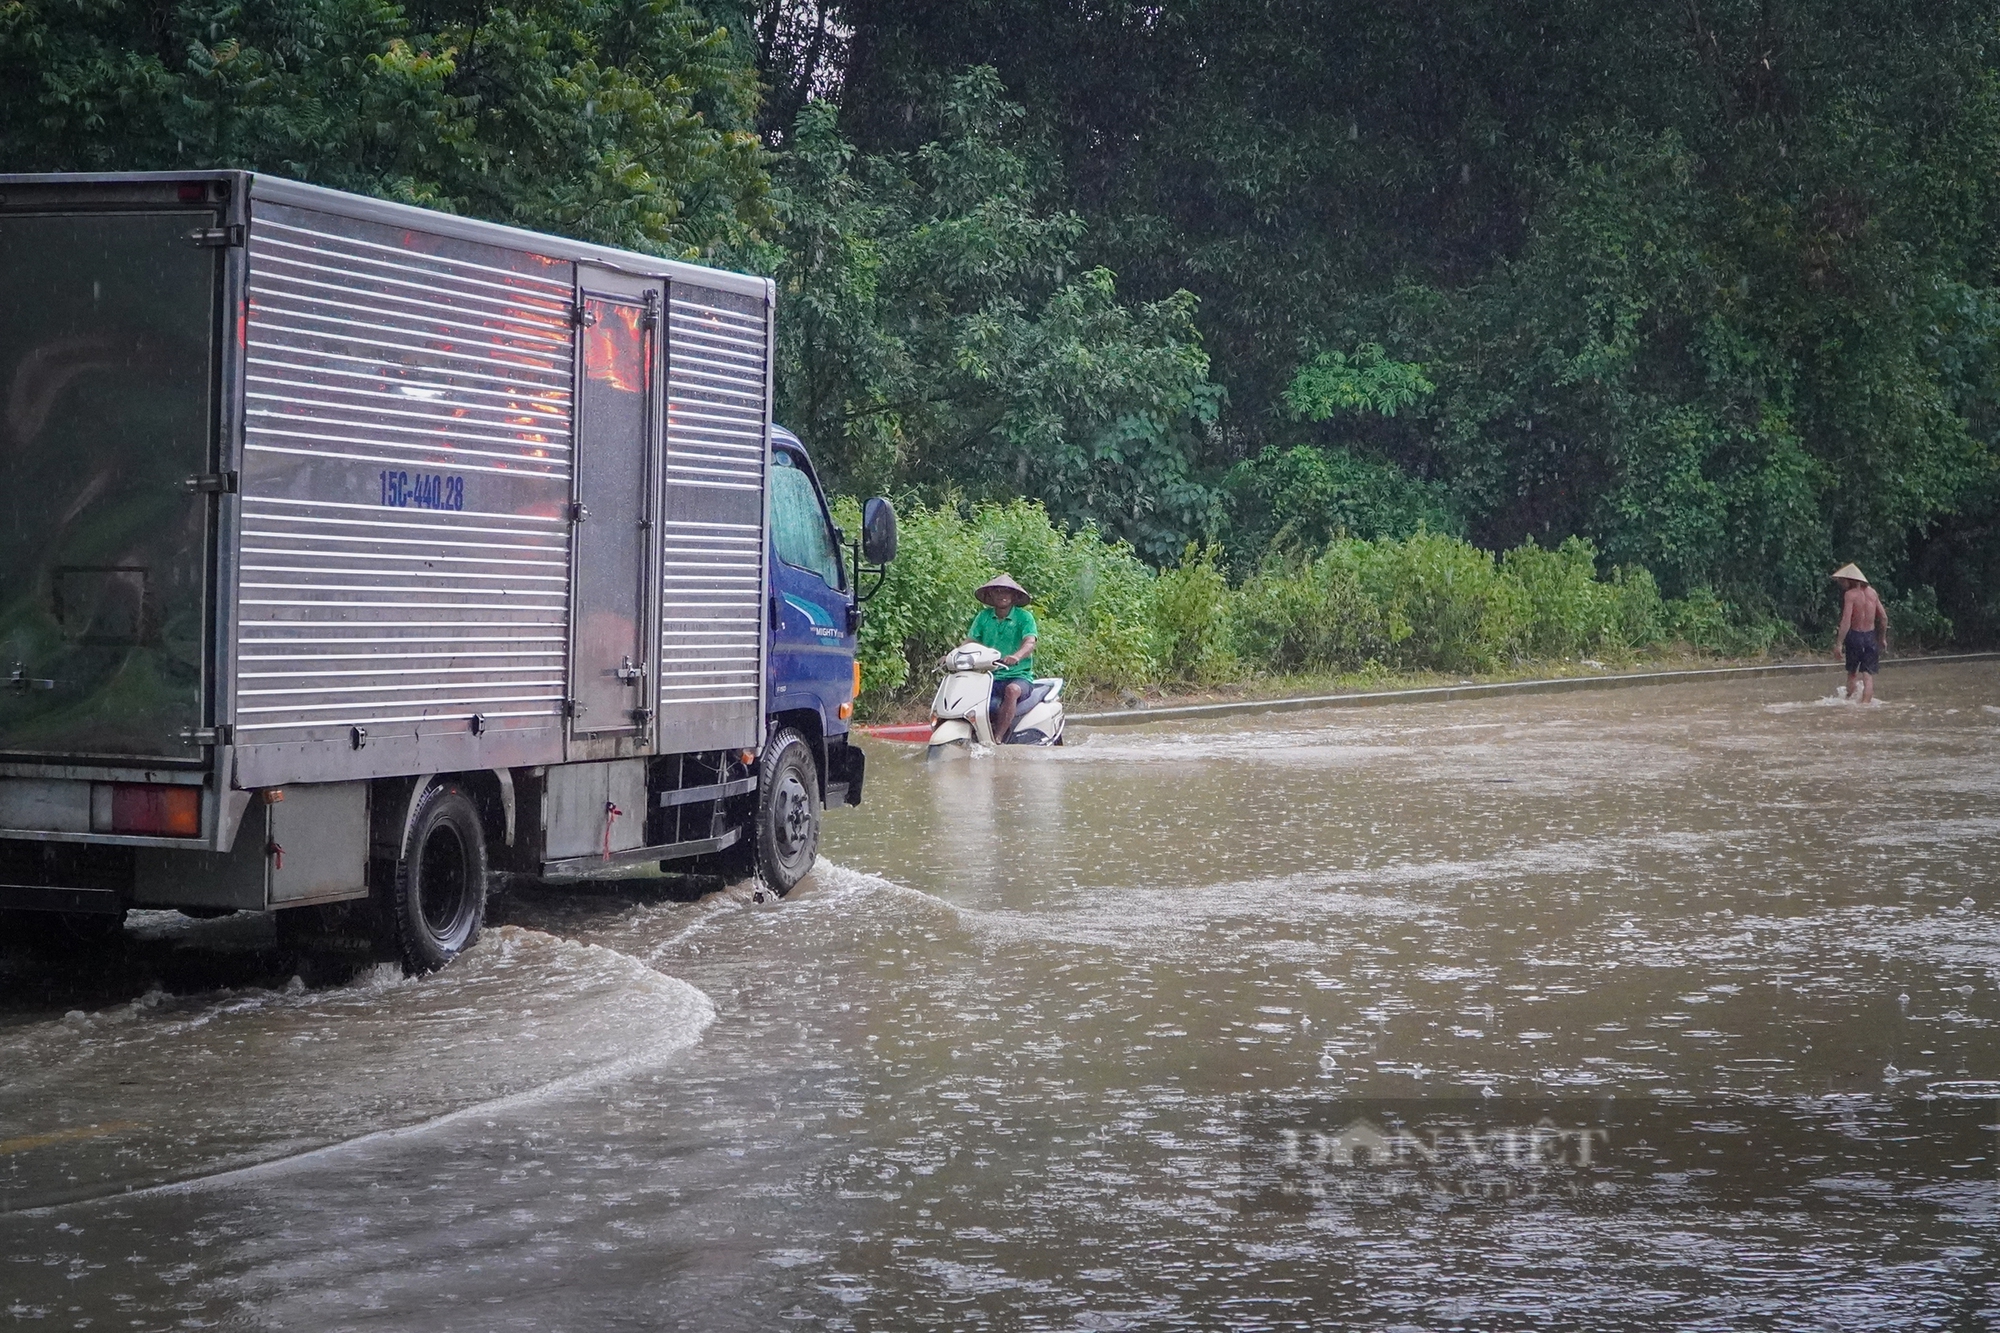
<point>970,657</point>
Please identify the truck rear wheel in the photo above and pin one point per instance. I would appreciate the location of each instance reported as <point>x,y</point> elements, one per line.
<point>437,893</point>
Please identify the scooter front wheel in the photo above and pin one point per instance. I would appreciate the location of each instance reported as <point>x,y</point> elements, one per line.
<point>949,733</point>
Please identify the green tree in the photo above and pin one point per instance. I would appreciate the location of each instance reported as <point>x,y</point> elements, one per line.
<point>1711,285</point>
<point>626,123</point>
<point>941,331</point>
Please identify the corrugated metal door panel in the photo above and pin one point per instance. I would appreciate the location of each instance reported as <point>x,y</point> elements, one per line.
<point>406,476</point>
<point>712,543</point>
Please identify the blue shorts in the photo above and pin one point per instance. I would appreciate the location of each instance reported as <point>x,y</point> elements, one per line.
<point>1863,652</point>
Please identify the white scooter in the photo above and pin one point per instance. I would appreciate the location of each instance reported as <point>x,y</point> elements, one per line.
<point>962,712</point>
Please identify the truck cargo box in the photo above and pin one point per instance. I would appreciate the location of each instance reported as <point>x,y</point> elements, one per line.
<point>306,488</point>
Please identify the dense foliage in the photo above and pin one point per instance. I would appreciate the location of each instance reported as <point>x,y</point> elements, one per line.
<point>1711,284</point>
<point>628,123</point>
<point>1709,287</point>
<point>939,330</point>
<point>1110,621</point>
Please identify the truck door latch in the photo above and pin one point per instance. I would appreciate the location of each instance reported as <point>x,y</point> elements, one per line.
<point>21,682</point>
<point>628,673</point>
<point>207,735</point>
<point>217,238</point>
<point>210,483</point>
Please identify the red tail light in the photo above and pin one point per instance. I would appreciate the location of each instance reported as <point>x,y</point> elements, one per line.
<point>146,808</point>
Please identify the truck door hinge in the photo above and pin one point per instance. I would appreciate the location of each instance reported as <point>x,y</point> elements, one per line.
<point>578,512</point>
<point>217,238</point>
<point>574,708</point>
<point>210,483</point>
<point>582,316</point>
<point>223,735</point>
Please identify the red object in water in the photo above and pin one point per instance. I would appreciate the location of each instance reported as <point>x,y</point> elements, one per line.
<point>913,732</point>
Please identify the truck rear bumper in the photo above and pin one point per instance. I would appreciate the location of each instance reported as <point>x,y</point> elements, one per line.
<point>37,898</point>
<point>65,877</point>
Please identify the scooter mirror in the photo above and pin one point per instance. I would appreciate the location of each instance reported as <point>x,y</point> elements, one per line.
<point>878,531</point>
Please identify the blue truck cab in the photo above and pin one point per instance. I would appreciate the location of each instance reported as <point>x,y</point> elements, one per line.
<point>813,677</point>
<point>812,607</point>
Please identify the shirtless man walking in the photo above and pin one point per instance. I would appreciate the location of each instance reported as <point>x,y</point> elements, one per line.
<point>1863,632</point>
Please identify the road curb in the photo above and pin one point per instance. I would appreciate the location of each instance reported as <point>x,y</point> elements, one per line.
<point>1131,717</point>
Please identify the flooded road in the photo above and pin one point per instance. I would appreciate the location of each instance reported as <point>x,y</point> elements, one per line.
<point>1029,1050</point>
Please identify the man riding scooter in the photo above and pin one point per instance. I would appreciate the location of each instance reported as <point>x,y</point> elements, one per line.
<point>1008,627</point>
<point>989,694</point>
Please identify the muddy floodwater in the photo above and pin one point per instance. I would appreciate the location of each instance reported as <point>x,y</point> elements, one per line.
<point>1153,1031</point>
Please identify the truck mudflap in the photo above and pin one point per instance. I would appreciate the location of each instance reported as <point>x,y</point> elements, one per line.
<point>846,766</point>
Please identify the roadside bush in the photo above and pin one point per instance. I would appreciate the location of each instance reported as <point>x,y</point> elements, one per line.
<point>1571,612</point>
<point>1092,598</point>
<point>1190,622</point>
<point>1916,622</point>
<point>1425,602</point>
<point>1444,602</point>
<point>1301,613</point>
<point>924,603</point>
<point>1708,624</point>
<point>1642,612</point>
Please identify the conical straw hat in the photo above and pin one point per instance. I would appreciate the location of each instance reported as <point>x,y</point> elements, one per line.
<point>1850,572</point>
<point>999,583</point>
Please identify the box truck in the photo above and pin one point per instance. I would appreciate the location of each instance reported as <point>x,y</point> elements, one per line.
<point>359,555</point>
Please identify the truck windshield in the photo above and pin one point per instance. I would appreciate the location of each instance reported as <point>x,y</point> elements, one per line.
<point>106,326</point>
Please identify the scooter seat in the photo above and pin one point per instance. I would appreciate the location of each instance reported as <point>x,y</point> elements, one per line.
<point>1036,692</point>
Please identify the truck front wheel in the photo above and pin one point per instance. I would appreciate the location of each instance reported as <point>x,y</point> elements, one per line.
<point>786,835</point>
<point>436,898</point>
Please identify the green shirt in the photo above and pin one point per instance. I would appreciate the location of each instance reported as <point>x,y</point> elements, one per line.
<point>1006,635</point>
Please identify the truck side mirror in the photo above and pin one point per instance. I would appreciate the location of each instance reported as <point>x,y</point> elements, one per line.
<point>878,531</point>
